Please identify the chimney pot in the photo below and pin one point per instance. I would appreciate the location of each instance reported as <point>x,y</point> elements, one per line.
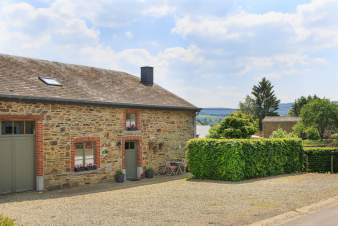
<point>147,75</point>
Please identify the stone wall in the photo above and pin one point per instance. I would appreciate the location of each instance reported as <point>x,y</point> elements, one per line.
<point>163,134</point>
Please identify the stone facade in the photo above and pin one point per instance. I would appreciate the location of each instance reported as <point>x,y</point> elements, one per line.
<point>162,135</point>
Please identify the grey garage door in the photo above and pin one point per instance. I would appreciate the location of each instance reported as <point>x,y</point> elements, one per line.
<point>16,163</point>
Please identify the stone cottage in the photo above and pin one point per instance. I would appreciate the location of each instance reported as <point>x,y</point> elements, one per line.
<point>272,123</point>
<point>65,125</point>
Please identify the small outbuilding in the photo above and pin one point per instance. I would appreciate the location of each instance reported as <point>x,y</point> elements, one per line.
<point>272,123</point>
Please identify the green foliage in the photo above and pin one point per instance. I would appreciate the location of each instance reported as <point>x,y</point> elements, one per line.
<point>5,221</point>
<point>312,133</point>
<point>318,159</point>
<point>334,136</point>
<point>320,149</point>
<point>118,173</point>
<point>236,125</point>
<point>299,130</point>
<point>248,106</point>
<point>321,143</point>
<point>238,159</point>
<point>208,119</point>
<point>280,133</point>
<point>303,132</point>
<point>262,103</point>
<point>299,104</point>
<point>320,114</point>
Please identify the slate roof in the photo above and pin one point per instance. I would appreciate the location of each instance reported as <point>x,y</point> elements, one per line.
<point>281,119</point>
<point>19,79</point>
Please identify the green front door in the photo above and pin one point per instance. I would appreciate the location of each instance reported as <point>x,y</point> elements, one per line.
<point>131,160</point>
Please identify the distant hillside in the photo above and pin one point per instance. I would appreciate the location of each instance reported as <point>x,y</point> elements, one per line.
<point>217,111</point>
<point>283,110</point>
<point>210,116</point>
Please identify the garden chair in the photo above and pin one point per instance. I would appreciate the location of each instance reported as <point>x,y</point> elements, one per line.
<point>181,166</point>
<point>171,169</point>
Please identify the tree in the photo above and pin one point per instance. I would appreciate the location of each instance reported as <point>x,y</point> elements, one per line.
<point>320,114</point>
<point>299,104</point>
<point>236,125</point>
<point>266,102</point>
<point>248,106</point>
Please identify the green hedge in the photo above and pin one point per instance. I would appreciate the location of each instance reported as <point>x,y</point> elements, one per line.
<point>321,159</point>
<point>238,159</point>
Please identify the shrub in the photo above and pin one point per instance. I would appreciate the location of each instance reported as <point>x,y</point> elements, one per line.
<point>280,133</point>
<point>299,130</point>
<point>149,172</point>
<point>319,159</point>
<point>321,114</point>
<point>334,136</point>
<point>5,221</point>
<point>236,125</point>
<point>312,133</point>
<point>238,159</point>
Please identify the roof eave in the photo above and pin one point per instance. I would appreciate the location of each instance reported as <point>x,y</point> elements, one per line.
<point>34,99</point>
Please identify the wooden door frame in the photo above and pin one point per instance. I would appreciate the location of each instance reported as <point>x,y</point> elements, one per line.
<point>138,141</point>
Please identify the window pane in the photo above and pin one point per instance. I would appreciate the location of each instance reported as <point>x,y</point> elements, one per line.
<point>126,145</point>
<point>79,146</point>
<point>132,145</point>
<point>131,116</point>
<point>18,127</point>
<point>79,157</point>
<point>29,127</point>
<point>89,155</point>
<point>131,120</point>
<point>6,128</point>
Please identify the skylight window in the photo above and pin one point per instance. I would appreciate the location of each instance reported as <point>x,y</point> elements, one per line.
<point>50,81</point>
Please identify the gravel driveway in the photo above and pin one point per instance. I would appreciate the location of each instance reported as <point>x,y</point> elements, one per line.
<point>177,202</point>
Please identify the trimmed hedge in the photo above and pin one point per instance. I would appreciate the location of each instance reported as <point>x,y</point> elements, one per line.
<point>321,159</point>
<point>238,159</point>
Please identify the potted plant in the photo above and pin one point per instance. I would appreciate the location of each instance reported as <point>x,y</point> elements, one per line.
<point>119,176</point>
<point>149,172</point>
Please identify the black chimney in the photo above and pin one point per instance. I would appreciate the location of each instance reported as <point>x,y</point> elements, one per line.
<point>147,75</point>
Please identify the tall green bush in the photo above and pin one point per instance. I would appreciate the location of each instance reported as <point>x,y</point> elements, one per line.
<point>235,125</point>
<point>238,159</point>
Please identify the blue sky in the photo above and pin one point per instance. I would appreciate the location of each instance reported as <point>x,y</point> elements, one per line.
<point>209,52</point>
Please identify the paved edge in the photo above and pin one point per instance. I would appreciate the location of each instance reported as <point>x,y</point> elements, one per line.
<point>297,213</point>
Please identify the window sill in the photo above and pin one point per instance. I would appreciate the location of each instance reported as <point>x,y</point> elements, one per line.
<point>132,131</point>
<point>96,171</point>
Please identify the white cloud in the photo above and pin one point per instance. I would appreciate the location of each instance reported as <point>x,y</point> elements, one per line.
<point>315,21</point>
<point>281,63</point>
<point>204,70</point>
<point>159,10</point>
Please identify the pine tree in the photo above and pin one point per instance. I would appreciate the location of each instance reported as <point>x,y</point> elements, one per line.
<point>266,102</point>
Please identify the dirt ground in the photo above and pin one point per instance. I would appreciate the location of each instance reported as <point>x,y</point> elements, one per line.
<point>174,202</point>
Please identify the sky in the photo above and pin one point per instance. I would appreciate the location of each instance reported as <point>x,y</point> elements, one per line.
<point>209,52</point>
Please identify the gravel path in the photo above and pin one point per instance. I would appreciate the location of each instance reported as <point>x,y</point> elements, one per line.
<point>178,202</point>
